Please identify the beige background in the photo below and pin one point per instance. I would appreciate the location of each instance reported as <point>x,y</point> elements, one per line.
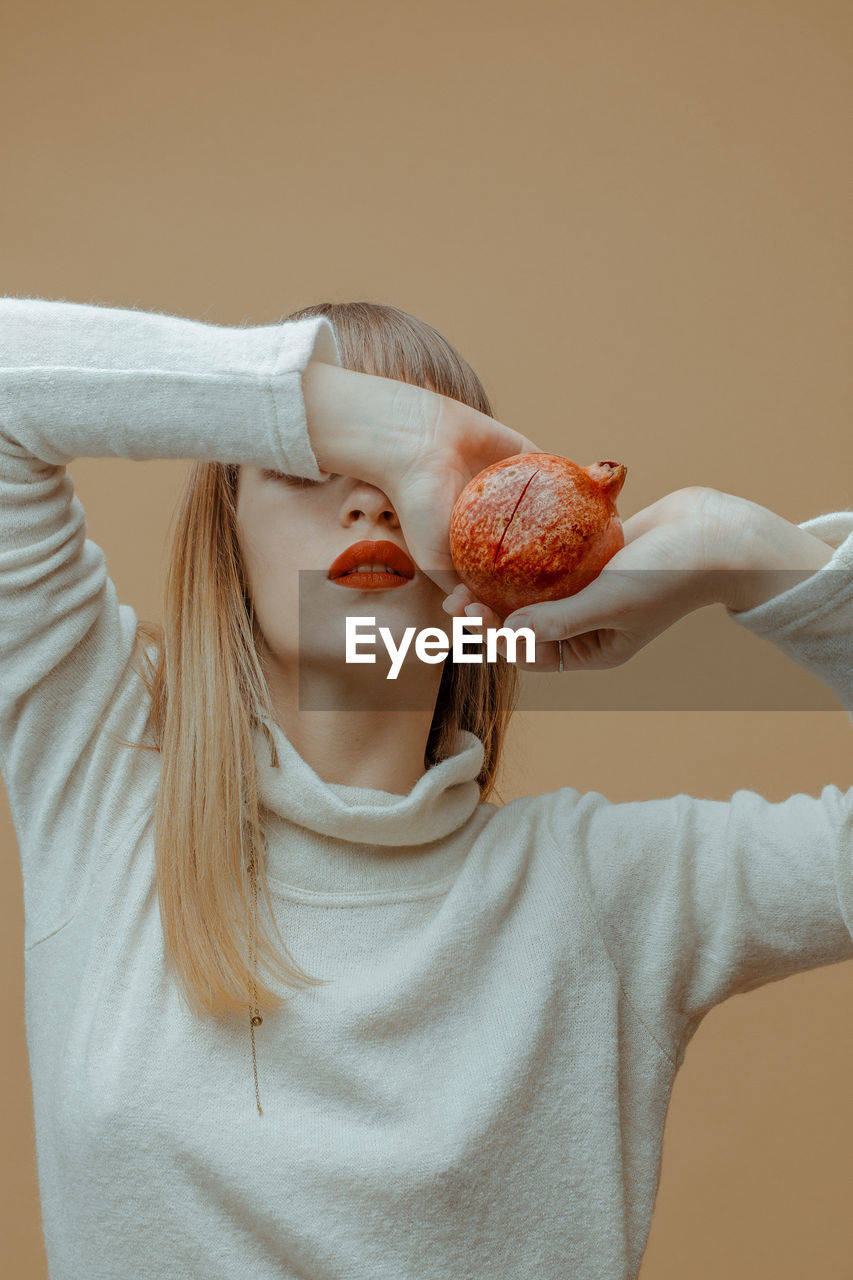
<point>634,220</point>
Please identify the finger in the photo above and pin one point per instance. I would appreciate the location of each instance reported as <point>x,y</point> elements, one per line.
<point>479,610</point>
<point>634,526</point>
<point>645,520</point>
<point>455,603</point>
<point>462,603</point>
<point>547,655</point>
<point>495,441</point>
<point>637,525</point>
<point>596,606</point>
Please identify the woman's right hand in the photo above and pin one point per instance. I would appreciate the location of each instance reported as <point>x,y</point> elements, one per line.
<point>419,447</point>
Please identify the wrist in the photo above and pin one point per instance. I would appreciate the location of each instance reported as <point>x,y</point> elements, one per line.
<point>360,424</point>
<point>328,391</point>
<point>761,554</point>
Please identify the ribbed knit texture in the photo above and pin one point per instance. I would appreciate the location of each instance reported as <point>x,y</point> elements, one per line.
<point>481,1088</point>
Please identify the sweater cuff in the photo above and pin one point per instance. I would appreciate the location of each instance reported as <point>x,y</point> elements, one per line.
<point>828,588</point>
<point>813,621</point>
<point>306,340</point>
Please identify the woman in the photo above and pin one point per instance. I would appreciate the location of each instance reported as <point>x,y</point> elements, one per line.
<point>465,1019</point>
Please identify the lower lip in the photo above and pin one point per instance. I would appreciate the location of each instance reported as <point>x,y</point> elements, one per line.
<point>371,581</point>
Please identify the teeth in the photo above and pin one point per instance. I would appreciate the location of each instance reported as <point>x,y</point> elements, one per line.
<point>371,568</point>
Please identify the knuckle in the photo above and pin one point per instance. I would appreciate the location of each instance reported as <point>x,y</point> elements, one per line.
<point>688,499</point>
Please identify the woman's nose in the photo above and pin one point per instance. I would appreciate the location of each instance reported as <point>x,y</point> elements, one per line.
<point>366,502</point>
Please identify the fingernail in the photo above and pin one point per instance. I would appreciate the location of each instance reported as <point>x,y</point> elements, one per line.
<point>520,620</point>
<point>474,610</point>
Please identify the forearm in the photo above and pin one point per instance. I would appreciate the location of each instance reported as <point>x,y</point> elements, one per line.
<point>761,553</point>
<point>394,433</point>
<point>359,423</point>
<point>78,380</point>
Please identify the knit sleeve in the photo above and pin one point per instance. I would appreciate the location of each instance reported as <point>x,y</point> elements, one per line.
<point>697,900</point>
<point>79,380</point>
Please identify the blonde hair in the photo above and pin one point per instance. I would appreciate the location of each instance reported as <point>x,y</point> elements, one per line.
<point>207,692</point>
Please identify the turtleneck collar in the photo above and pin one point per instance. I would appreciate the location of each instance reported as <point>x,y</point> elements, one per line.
<point>331,838</point>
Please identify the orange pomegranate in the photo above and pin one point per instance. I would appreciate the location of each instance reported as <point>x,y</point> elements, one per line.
<point>535,526</point>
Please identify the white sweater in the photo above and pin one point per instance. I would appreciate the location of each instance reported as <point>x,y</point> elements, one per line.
<point>481,1089</point>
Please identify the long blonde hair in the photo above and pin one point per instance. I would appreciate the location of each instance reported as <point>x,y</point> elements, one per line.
<point>208,690</point>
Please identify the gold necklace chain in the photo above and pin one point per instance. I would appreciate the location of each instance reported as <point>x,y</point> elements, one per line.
<point>255,1016</point>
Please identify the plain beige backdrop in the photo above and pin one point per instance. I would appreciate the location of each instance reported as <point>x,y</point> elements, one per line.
<point>634,219</point>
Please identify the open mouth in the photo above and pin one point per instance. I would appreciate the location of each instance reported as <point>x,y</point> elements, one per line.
<point>371,576</point>
<point>368,565</point>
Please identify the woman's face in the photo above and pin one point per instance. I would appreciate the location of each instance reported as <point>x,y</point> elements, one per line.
<point>291,533</point>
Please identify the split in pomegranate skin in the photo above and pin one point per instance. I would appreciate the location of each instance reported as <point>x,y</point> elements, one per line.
<point>534,527</point>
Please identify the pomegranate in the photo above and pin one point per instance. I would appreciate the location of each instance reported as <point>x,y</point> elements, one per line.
<point>535,527</point>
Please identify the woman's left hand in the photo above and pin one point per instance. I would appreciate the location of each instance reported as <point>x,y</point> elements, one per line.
<point>678,556</point>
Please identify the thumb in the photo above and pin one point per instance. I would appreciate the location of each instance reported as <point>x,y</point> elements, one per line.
<point>598,605</point>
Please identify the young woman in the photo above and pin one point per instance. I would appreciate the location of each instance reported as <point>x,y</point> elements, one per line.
<point>301,1000</point>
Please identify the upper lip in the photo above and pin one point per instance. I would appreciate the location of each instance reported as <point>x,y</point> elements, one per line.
<point>369,552</point>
